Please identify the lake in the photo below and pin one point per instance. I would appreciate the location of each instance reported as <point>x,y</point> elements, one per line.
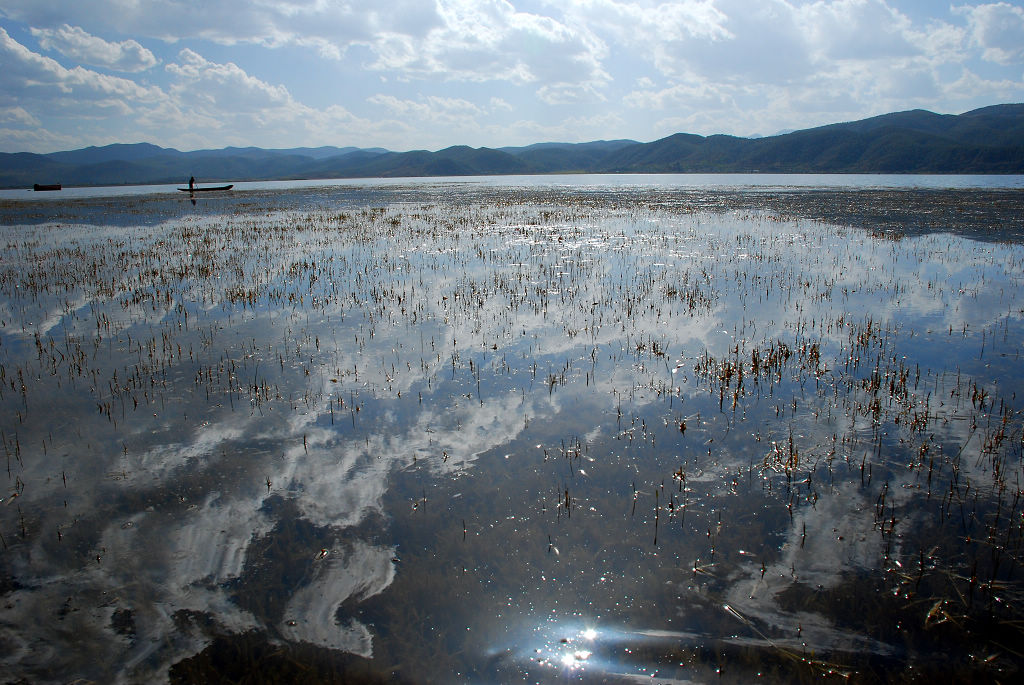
<point>528,429</point>
<point>570,181</point>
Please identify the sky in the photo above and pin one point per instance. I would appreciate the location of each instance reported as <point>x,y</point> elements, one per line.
<point>422,74</point>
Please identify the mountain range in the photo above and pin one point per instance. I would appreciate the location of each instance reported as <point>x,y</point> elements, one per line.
<point>988,140</point>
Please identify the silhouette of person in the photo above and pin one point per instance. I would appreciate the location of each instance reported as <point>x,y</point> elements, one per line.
<point>192,183</point>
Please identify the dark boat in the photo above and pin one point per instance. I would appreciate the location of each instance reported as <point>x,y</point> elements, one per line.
<point>197,189</point>
<point>45,186</point>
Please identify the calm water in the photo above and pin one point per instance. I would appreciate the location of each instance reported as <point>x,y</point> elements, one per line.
<point>517,431</point>
<point>750,182</point>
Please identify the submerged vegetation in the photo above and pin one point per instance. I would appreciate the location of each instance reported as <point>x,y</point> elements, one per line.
<point>500,434</point>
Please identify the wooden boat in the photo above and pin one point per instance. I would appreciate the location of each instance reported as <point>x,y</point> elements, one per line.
<point>197,189</point>
<point>45,186</point>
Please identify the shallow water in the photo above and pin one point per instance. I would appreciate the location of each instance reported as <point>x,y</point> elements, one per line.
<point>495,434</point>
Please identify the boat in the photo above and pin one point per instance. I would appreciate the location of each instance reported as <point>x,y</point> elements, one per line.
<point>45,186</point>
<point>197,189</point>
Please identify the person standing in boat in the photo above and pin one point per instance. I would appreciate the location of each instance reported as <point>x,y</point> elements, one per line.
<point>192,183</point>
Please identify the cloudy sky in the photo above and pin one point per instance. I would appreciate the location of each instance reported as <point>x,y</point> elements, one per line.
<point>425,74</point>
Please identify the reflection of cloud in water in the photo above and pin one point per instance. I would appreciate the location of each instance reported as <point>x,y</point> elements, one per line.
<point>824,542</point>
<point>160,461</point>
<point>356,572</point>
<point>211,545</point>
<point>337,481</point>
<point>334,481</point>
<point>77,620</point>
<point>335,484</point>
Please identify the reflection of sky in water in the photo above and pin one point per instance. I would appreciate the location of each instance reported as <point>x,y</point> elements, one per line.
<point>477,441</point>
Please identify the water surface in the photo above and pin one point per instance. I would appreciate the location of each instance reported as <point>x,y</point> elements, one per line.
<point>573,181</point>
<point>500,432</point>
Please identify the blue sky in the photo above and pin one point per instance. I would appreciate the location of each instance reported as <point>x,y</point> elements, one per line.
<point>416,74</point>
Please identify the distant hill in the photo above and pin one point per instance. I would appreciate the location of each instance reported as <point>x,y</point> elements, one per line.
<point>567,157</point>
<point>987,140</point>
<point>142,163</point>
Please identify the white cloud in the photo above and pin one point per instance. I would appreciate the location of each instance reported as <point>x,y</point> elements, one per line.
<point>73,42</point>
<point>484,72</point>
<point>691,95</point>
<point>971,84</point>
<point>647,23</point>
<point>443,115</point>
<point>940,42</point>
<point>460,40</point>
<point>718,40</point>
<point>205,104</point>
<point>567,93</point>
<point>217,87</point>
<point>34,138</point>
<point>18,115</point>
<point>787,65</point>
<point>481,41</point>
<point>998,29</point>
<point>233,107</point>
<point>28,76</point>
<point>228,22</point>
<point>855,29</point>
<point>572,129</point>
<point>431,108</point>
